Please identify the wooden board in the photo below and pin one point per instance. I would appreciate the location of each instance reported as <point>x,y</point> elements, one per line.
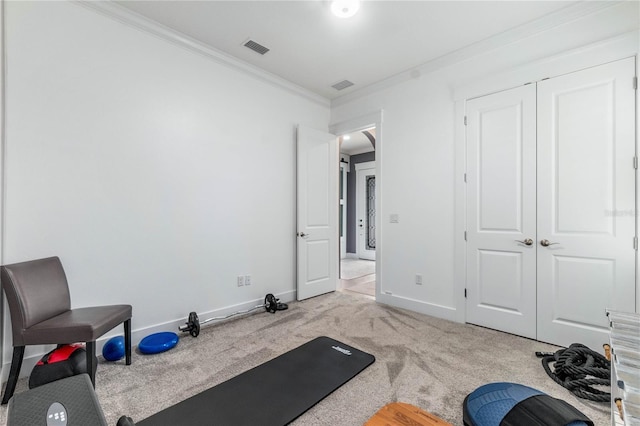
<point>400,414</point>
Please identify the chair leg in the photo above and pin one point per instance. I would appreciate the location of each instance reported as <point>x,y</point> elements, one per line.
<point>127,340</point>
<point>16,363</point>
<point>92,364</point>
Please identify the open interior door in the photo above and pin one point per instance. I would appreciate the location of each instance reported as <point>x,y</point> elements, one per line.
<point>317,183</point>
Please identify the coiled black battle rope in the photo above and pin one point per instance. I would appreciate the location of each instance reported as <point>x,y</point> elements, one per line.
<point>578,369</point>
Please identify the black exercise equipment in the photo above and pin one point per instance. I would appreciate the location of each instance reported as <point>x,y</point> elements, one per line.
<point>578,369</point>
<point>63,361</point>
<point>192,326</point>
<point>66,402</point>
<point>125,421</point>
<point>274,393</point>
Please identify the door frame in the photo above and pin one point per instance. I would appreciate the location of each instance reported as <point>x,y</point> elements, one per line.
<point>569,61</point>
<point>374,119</point>
<point>342,202</point>
<point>4,311</point>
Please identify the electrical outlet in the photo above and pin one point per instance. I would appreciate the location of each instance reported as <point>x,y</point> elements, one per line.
<point>240,280</point>
<point>418,279</point>
<point>247,280</point>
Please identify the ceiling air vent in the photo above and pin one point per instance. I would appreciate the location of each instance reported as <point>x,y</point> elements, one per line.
<point>342,85</point>
<point>256,47</point>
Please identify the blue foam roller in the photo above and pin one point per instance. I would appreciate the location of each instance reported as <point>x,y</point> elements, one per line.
<point>113,350</point>
<point>158,342</point>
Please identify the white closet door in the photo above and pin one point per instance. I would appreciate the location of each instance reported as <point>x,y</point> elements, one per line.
<point>586,202</point>
<point>501,215</point>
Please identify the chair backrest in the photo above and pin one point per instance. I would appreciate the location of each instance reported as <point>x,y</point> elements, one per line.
<point>36,290</point>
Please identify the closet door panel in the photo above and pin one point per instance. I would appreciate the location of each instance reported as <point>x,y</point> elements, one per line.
<point>501,286</point>
<point>586,202</point>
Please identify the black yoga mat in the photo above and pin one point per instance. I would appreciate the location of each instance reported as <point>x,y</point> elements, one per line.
<point>274,393</point>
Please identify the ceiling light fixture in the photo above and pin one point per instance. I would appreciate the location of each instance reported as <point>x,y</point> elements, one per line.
<point>346,137</point>
<point>345,8</point>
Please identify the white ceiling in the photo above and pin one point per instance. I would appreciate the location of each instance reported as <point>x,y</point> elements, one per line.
<point>313,49</point>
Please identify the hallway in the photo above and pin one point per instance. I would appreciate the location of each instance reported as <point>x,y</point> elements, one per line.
<point>358,276</point>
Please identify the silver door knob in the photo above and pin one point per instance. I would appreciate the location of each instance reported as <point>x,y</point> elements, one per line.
<point>528,241</point>
<point>302,234</point>
<point>546,243</point>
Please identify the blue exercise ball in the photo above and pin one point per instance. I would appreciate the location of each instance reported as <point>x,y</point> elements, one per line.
<point>113,350</point>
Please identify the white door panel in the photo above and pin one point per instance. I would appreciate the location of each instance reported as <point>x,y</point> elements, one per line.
<point>317,214</point>
<point>501,211</point>
<point>500,280</point>
<point>586,202</point>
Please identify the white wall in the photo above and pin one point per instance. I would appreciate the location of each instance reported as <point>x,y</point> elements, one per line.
<point>156,174</point>
<point>421,152</point>
<point>415,175</point>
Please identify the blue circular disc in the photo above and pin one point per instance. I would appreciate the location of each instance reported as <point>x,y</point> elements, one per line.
<point>158,342</point>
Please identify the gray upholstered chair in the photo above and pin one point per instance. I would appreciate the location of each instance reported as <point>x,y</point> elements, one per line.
<point>40,305</point>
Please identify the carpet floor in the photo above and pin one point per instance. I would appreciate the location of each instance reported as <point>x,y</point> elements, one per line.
<point>421,360</point>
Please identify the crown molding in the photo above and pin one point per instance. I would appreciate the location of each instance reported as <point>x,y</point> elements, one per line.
<point>123,15</point>
<point>590,55</point>
<point>546,23</point>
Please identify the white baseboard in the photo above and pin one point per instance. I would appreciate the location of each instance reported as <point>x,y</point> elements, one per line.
<point>431,309</point>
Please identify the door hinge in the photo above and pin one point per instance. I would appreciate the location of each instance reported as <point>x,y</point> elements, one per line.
<point>635,243</point>
<point>635,83</point>
<point>465,235</point>
<point>465,293</point>
<point>465,120</point>
<point>465,178</point>
<point>635,162</point>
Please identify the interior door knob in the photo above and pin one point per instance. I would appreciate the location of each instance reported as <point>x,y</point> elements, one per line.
<point>528,241</point>
<point>302,234</point>
<point>546,243</point>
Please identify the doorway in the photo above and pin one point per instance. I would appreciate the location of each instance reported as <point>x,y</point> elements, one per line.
<point>357,212</point>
